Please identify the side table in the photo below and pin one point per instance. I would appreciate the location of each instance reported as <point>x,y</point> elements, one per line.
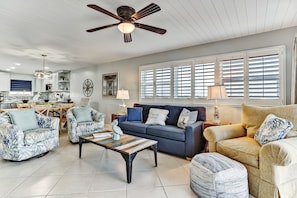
<point>207,124</point>
<point>114,116</point>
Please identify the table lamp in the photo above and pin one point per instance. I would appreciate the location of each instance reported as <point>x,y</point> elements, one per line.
<point>214,93</point>
<point>123,95</point>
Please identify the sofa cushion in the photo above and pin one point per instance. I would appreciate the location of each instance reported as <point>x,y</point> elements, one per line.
<point>34,136</point>
<point>135,126</point>
<point>253,117</point>
<point>157,116</point>
<point>168,132</point>
<point>134,114</point>
<point>273,128</point>
<point>25,119</point>
<point>243,149</point>
<point>82,114</point>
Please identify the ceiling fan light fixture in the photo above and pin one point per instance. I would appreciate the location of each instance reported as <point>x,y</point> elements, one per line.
<point>126,27</point>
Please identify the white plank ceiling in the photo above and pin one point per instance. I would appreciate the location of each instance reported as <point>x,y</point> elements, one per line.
<point>29,28</point>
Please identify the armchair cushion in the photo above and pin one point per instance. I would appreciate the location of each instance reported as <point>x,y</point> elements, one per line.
<point>34,136</point>
<point>243,149</point>
<point>82,114</point>
<point>273,128</point>
<point>25,119</point>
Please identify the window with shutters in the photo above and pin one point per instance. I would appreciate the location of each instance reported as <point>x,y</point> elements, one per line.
<point>182,81</point>
<point>264,77</point>
<point>147,84</point>
<point>163,82</point>
<point>204,76</point>
<point>255,76</point>
<point>232,76</point>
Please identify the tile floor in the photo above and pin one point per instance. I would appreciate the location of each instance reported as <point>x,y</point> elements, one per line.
<point>99,173</point>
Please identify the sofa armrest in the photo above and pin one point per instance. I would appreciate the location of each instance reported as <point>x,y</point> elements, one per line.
<point>215,134</point>
<point>278,160</point>
<point>11,137</point>
<point>48,122</point>
<point>194,139</point>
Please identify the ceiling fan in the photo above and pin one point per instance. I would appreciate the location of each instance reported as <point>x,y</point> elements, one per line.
<point>128,17</point>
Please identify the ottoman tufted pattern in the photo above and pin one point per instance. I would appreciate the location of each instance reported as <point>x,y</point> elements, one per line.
<point>214,175</point>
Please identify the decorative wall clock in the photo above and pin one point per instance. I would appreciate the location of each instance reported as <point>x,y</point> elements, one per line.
<point>88,87</point>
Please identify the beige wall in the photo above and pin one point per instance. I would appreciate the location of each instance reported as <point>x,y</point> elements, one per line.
<point>128,71</point>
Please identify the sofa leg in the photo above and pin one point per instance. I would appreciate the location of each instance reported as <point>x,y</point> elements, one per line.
<point>189,158</point>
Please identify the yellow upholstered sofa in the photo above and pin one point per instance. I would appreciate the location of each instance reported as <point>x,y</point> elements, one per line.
<point>272,168</point>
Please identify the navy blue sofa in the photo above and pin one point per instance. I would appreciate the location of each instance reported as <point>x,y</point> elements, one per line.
<point>171,139</point>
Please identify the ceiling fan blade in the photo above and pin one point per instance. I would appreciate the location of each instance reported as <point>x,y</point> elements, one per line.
<point>95,7</point>
<point>150,9</point>
<point>150,28</point>
<point>127,38</point>
<point>102,27</point>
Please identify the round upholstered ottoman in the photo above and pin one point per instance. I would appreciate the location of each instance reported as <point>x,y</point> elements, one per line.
<point>214,175</point>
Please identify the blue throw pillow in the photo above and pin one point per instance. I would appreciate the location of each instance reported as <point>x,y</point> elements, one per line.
<point>82,114</point>
<point>25,119</point>
<point>134,114</point>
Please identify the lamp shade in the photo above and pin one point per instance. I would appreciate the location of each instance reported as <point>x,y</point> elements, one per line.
<point>123,94</point>
<point>216,92</point>
<point>126,27</point>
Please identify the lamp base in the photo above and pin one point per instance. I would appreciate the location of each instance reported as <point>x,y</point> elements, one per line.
<point>216,117</point>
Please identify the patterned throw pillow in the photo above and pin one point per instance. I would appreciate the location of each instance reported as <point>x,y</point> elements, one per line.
<point>273,128</point>
<point>157,116</point>
<point>186,117</point>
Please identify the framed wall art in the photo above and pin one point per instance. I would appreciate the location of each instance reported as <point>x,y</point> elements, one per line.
<point>110,84</point>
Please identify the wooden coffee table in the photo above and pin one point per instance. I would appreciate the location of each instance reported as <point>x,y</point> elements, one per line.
<point>128,146</point>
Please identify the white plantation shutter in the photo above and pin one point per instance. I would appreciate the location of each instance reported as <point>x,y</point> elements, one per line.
<point>264,77</point>
<point>232,76</point>
<point>204,76</point>
<point>147,84</point>
<point>182,81</point>
<point>251,76</point>
<point>163,82</point>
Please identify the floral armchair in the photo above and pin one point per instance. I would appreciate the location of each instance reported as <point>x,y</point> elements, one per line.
<point>17,144</point>
<point>83,120</point>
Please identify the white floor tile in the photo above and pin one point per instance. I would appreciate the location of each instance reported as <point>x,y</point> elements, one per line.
<point>99,173</point>
<point>181,191</point>
<point>35,186</point>
<point>157,192</point>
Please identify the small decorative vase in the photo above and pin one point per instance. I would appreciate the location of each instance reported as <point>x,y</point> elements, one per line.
<point>116,136</point>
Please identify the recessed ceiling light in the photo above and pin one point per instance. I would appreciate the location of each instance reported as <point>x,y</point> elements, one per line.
<point>46,68</point>
<point>7,69</point>
<point>12,67</point>
<point>17,64</point>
